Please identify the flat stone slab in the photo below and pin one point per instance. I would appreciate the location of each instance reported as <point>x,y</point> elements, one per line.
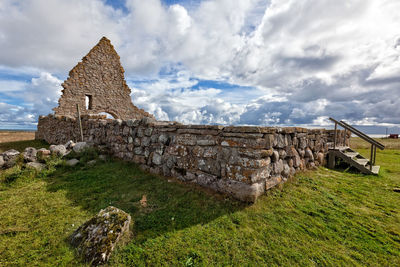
<point>96,238</point>
<point>72,162</point>
<point>36,165</point>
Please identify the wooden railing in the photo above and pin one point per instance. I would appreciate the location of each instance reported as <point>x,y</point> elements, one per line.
<point>374,144</point>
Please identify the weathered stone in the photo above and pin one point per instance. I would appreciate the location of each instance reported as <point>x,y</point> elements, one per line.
<point>130,140</point>
<point>275,156</point>
<point>138,150</point>
<point>136,141</point>
<point>163,139</point>
<point>58,150</point>
<point>242,129</point>
<point>198,131</point>
<point>1,161</point>
<point>309,154</point>
<point>186,139</point>
<point>286,170</point>
<point>91,162</point>
<point>278,167</point>
<point>273,181</point>
<point>255,153</point>
<point>320,158</point>
<point>10,157</point>
<point>302,152</point>
<point>35,165</point>
<point>146,141</point>
<point>157,159</point>
<point>177,150</point>
<point>297,161</point>
<point>270,139</point>
<point>148,131</point>
<point>80,147</point>
<point>206,142</point>
<point>30,154</point>
<point>241,191</point>
<point>99,78</point>
<point>96,238</point>
<point>243,142</point>
<point>72,162</point>
<point>281,141</point>
<point>282,153</point>
<point>243,135</point>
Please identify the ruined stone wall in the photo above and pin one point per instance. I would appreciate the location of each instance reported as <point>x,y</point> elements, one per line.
<point>241,161</point>
<point>100,79</point>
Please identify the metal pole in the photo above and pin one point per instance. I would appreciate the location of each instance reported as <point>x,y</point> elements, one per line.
<point>334,137</point>
<point>80,122</point>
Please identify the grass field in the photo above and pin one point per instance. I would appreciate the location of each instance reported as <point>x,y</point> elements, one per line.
<point>12,136</point>
<point>324,217</point>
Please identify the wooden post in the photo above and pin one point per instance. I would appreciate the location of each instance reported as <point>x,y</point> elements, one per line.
<point>334,138</point>
<point>371,158</point>
<point>374,154</point>
<point>344,138</point>
<point>80,122</point>
<point>331,159</point>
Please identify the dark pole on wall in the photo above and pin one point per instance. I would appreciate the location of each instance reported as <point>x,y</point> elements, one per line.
<point>80,122</point>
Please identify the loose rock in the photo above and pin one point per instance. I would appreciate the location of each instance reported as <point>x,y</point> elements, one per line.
<point>72,162</point>
<point>10,157</point>
<point>35,165</point>
<point>58,150</point>
<point>96,239</point>
<point>30,154</point>
<point>80,146</point>
<point>91,163</point>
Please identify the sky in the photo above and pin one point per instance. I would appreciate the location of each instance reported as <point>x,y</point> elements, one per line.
<point>247,62</point>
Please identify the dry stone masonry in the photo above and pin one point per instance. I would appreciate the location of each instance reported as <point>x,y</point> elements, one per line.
<point>98,85</point>
<point>240,161</point>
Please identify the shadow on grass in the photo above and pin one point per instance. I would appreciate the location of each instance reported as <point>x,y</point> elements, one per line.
<point>21,145</point>
<point>170,206</point>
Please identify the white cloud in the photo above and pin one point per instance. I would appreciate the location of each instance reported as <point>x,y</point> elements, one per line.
<point>302,61</point>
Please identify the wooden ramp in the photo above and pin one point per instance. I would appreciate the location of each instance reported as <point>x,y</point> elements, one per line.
<point>351,157</point>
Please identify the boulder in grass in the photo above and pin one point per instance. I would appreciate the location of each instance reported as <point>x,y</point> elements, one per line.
<point>10,158</point>
<point>1,161</point>
<point>58,150</point>
<point>30,154</point>
<point>72,162</point>
<point>35,165</point>
<point>80,147</point>
<point>96,238</point>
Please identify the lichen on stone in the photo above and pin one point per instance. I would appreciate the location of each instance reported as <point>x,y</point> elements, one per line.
<point>96,238</point>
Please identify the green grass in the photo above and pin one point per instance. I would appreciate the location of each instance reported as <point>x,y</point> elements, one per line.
<point>319,218</point>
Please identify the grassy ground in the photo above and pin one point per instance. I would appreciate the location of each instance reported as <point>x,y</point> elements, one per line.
<point>320,218</point>
<point>357,142</point>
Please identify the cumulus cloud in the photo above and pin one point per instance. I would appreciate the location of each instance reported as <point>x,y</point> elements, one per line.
<point>287,62</point>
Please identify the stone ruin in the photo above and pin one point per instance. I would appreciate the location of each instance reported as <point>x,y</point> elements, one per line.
<point>241,161</point>
<point>97,84</point>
